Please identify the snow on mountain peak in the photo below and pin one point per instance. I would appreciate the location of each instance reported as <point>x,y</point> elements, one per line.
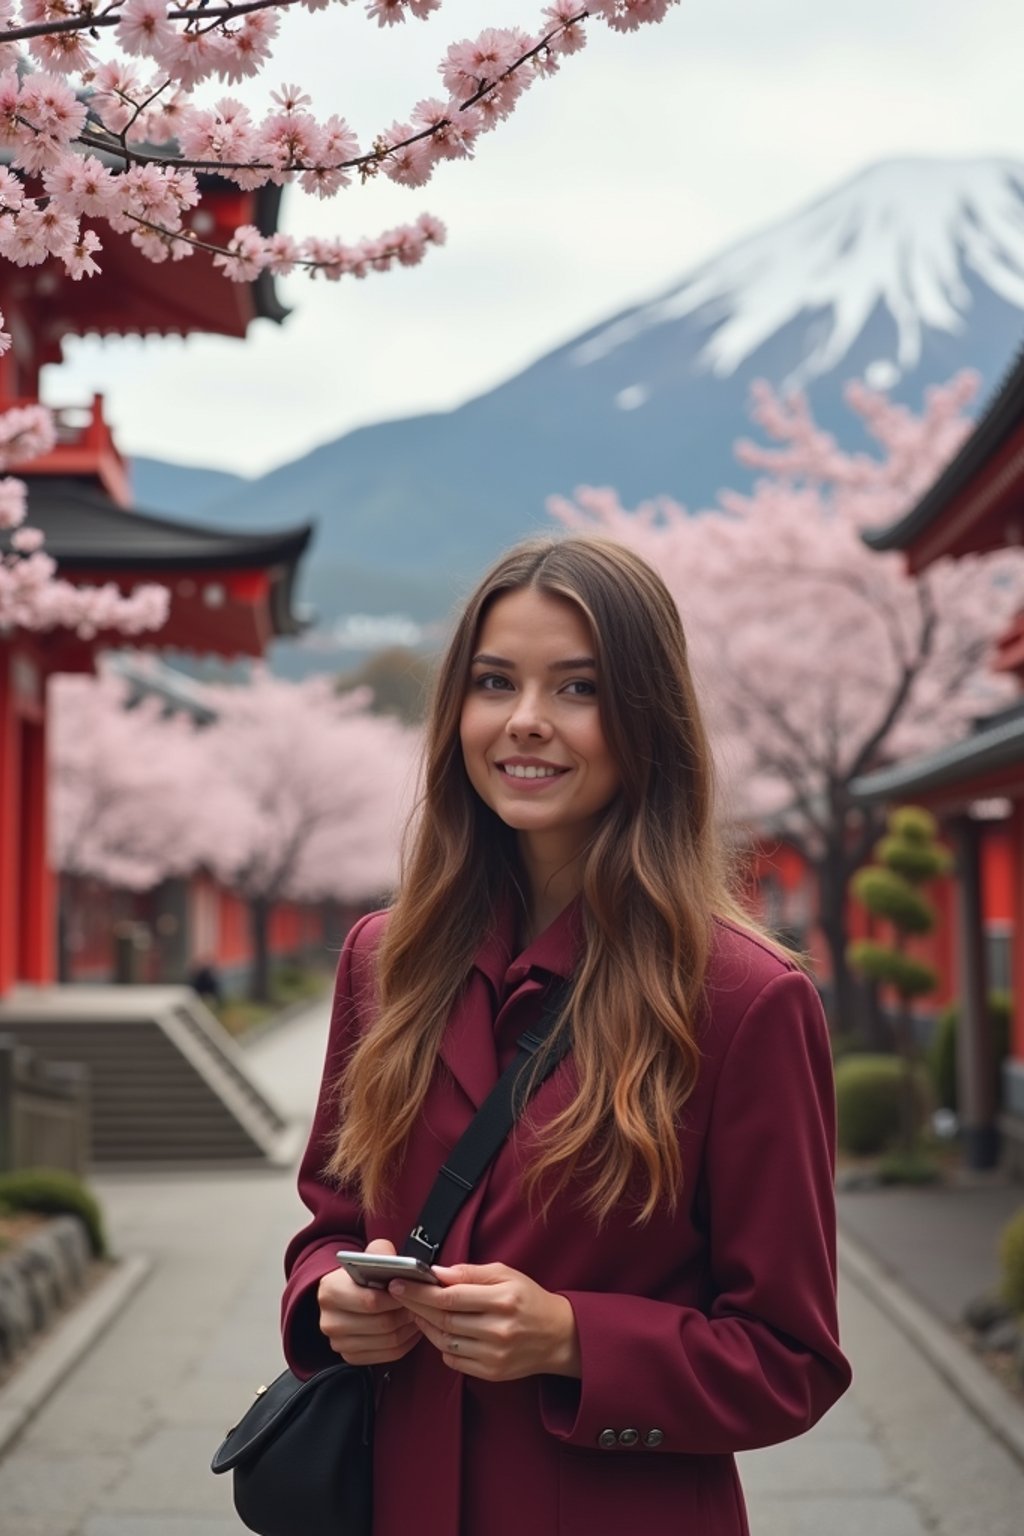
<point>904,234</point>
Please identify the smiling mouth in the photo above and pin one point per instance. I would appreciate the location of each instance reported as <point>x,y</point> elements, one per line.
<point>525,774</point>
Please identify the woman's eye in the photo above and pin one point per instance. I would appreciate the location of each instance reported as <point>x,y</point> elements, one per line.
<point>580,687</point>
<point>491,682</point>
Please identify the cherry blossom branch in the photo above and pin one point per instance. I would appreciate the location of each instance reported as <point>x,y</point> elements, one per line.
<point>150,187</point>
<point>112,17</point>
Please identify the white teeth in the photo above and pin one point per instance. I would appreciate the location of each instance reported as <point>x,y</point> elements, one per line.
<point>514,771</point>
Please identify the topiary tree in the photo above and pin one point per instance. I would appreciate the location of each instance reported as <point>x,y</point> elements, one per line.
<point>907,858</point>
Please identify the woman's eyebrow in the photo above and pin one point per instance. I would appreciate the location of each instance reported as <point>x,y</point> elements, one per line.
<point>571,664</point>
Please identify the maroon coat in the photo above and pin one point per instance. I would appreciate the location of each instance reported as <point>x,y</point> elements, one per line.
<point>708,1331</point>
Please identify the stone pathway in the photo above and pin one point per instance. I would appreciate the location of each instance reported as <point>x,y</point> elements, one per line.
<point>122,1449</point>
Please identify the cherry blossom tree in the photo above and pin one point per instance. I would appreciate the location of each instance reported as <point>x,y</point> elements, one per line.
<point>315,792</point>
<point>107,130</point>
<point>818,658</point>
<point>293,792</point>
<point>32,596</point>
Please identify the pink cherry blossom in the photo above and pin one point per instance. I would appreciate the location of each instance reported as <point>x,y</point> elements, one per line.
<point>27,540</point>
<point>249,47</point>
<point>82,184</point>
<point>22,238</point>
<point>225,132</point>
<point>65,52</point>
<point>481,61</point>
<point>412,164</point>
<point>144,27</point>
<point>189,57</point>
<point>78,260</point>
<point>247,256</point>
<point>48,104</point>
<point>25,432</point>
<point>290,97</point>
<point>13,497</point>
<point>387,13</point>
<point>282,254</point>
<point>12,189</point>
<point>572,36</point>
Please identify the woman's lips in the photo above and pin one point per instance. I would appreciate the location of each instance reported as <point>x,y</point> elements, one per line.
<point>532,777</point>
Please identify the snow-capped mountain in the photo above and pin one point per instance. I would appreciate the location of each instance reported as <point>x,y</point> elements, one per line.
<point>911,238</point>
<point>901,276</point>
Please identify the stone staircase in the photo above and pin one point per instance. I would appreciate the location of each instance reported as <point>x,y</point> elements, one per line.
<point>167,1083</point>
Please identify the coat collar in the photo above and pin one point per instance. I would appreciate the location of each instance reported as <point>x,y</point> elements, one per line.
<point>468,1045</point>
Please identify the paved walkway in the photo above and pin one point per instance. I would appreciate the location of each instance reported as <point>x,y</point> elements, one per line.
<point>940,1241</point>
<point>122,1448</point>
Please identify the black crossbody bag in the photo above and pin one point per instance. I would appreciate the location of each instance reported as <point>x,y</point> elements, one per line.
<point>302,1454</point>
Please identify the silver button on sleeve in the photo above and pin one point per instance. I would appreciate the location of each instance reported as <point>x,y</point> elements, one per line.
<point>607,1438</point>
<point>653,1438</point>
<point>628,1437</point>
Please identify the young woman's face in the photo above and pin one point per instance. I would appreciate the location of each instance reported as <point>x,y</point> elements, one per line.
<point>532,740</point>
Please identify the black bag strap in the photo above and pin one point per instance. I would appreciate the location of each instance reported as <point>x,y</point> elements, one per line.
<point>478,1145</point>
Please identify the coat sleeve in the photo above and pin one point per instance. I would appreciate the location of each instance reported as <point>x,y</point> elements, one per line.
<point>763,1362</point>
<point>337,1221</point>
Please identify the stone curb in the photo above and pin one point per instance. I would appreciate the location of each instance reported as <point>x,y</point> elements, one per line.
<point>59,1351</point>
<point>1000,1412</point>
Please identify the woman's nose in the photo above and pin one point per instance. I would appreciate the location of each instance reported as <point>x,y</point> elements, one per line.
<point>527,717</point>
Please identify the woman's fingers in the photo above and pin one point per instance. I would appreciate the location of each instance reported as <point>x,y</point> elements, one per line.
<point>338,1290</point>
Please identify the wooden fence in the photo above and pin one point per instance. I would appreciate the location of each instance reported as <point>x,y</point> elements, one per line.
<point>44,1111</point>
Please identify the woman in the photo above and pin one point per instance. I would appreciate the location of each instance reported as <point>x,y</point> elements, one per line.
<point>644,1282</point>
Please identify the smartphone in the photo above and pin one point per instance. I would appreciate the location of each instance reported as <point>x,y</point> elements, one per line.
<point>376,1269</point>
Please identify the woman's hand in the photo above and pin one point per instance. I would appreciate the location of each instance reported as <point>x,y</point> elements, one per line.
<point>364,1326</point>
<point>493,1322</point>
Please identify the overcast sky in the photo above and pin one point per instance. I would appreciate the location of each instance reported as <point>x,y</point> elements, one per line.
<point>646,154</point>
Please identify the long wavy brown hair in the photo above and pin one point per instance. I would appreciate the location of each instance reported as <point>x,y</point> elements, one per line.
<point>653,880</point>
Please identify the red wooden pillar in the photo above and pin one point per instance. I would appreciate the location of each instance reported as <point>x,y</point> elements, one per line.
<point>38,926</point>
<point>10,822</point>
<point>27,934</point>
<point>1016,825</point>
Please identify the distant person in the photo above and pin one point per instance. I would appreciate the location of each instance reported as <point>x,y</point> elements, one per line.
<point>644,1282</point>
<point>205,980</point>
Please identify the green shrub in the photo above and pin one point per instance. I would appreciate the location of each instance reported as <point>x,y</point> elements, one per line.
<point>1011,1254</point>
<point>889,895</point>
<point>913,824</point>
<point>893,968</point>
<point>942,1055</point>
<point>916,862</point>
<point>52,1192</point>
<point>869,1092</point>
<point>908,1168</point>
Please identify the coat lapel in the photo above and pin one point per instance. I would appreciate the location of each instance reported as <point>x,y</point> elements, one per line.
<point>467,1046</point>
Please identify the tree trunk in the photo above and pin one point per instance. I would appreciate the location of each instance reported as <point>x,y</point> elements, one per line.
<point>879,1034</point>
<point>907,1044</point>
<point>63,929</point>
<point>846,1006</point>
<point>259,925</point>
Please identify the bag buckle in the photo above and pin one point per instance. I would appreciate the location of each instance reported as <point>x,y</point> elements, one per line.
<point>421,1236</point>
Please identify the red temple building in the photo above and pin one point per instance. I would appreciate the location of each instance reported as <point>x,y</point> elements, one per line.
<point>976,786</point>
<point>231,593</point>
